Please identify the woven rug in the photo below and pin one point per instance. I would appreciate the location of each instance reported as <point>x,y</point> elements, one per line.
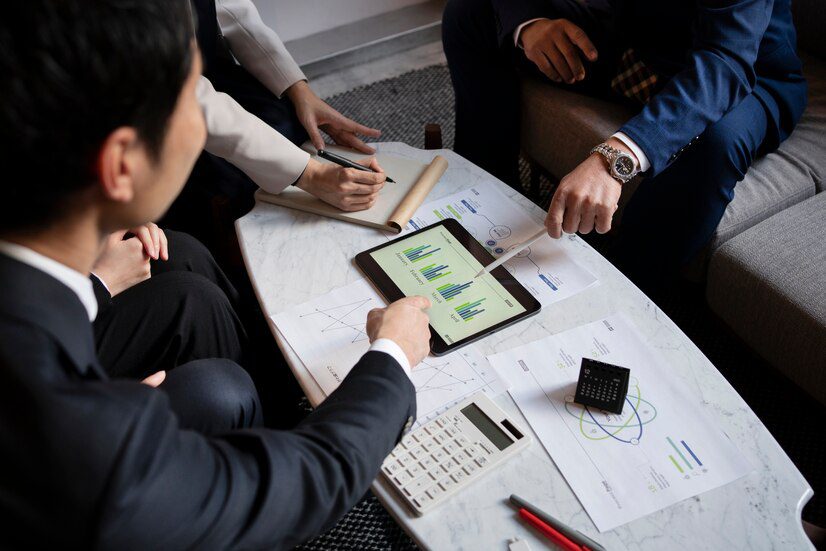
<point>401,107</point>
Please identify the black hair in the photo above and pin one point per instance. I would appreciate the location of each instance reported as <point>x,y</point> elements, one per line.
<point>71,72</point>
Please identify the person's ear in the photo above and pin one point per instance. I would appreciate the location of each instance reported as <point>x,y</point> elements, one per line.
<point>118,163</point>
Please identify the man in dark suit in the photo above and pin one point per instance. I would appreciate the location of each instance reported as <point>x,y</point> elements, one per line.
<point>717,83</point>
<point>99,129</point>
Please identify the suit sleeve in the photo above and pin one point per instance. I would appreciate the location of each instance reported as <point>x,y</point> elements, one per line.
<point>102,294</point>
<point>510,14</point>
<point>256,46</point>
<point>256,488</point>
<point>719,75</point>
<point>272,161</point>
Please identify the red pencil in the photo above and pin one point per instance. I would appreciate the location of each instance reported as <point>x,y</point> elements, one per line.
<point>549,532</point>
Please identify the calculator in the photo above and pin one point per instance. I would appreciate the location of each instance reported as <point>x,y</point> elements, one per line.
<point>454,450</point>
<point>602,385</point>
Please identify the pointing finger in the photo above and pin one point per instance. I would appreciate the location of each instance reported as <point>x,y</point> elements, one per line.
<point>423,303</point>
<point>555,214</point>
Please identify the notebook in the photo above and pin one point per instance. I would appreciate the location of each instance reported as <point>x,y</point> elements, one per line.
<point>396,204</point>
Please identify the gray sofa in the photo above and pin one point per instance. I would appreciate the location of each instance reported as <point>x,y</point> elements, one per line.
<point>765,266</point>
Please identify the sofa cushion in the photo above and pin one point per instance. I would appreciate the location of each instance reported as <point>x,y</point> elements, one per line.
<point>769,285</point>
<point>559,127</point>
<point>812,126</point>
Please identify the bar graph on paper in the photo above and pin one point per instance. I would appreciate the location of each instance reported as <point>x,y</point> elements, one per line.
<point>684,459</point>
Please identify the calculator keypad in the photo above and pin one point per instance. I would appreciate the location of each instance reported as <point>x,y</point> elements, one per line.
<point>434,459</point>
<point>441,457</point>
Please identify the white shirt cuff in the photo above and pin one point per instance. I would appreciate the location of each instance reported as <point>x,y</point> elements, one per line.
<point>635,149</point>
<point>394,350</point>
<point>518,30</point>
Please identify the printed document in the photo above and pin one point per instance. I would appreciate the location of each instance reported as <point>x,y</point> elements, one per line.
<point>662,449</point>
<point>329,335</point>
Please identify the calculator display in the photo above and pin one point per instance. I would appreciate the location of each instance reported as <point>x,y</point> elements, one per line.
<point>487,427</point>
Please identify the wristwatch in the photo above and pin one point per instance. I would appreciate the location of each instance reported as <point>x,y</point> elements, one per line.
<point>621,165</point>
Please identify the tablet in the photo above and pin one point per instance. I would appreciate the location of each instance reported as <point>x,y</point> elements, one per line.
<point>440,262</point>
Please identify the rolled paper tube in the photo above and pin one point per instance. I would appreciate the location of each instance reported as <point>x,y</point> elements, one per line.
<point>417,194</point>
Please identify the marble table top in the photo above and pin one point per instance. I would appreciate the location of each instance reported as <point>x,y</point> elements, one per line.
<point>292,257</point>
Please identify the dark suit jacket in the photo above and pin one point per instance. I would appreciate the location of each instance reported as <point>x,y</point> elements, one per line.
<point>94,463</point>
<point>716,52</point>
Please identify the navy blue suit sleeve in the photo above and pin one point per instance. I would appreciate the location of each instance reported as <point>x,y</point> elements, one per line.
<point>720,74</point>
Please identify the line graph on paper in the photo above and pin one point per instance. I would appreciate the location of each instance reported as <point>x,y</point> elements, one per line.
<point>349,319</point>
<point>442,382</point>
<point>329,335</point>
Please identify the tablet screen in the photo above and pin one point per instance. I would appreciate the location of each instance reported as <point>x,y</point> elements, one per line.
<point>434,264</point>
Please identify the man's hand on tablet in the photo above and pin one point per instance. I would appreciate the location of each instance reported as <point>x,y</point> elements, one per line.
<point>405,323</point>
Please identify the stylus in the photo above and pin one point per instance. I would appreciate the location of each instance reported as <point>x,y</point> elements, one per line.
<point>515,250</point>
<point>339,160</point>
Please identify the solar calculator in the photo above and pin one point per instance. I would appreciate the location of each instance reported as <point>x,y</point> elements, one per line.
<point>451,452</point>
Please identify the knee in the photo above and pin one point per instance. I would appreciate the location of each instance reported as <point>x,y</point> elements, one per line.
<point>458,20</point>
<point>224,392</point>
<point>228,387</point>
<point>187,250</point>
<point>725,148</point>
<point>206,322</point>
<point>195,292</point>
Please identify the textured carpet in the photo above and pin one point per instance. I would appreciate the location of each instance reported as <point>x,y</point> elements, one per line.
<point>401,107</point>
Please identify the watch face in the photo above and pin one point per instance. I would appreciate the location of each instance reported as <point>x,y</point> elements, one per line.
<point>624,165</point>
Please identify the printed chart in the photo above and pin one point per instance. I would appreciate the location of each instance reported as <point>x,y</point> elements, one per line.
<point>329,335</point>
<point>444,381</point>
<point>348,319</point>
<point>595,424</point>
<point>661,449</point>
<point>545,269</point>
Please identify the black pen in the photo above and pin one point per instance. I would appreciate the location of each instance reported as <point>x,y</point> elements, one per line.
<point>575,535</point>
<point>339,160</point>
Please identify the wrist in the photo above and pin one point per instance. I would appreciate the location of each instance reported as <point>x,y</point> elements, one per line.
<point>309,176</point>
<point>620,163</point>
<point>394,350</point>
<point>526,31</point>
<point>111,283</point>
<point>619,144</point>
<point>298,90</point>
